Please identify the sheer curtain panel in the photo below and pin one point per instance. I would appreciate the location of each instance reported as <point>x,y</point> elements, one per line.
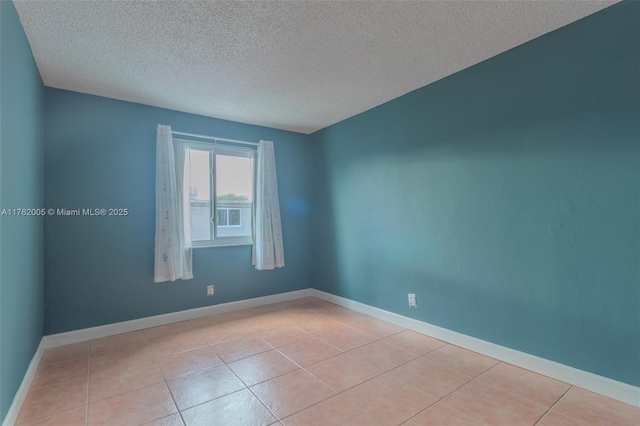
<point>173,253</point>
<point>268,251</point>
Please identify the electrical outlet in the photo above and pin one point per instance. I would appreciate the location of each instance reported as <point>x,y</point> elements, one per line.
<point>413,302</point>
<point>209,290</point>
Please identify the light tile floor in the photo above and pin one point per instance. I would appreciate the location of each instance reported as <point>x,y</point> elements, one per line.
<point>304,362</point>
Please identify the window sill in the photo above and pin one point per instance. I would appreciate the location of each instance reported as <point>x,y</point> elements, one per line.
<point>223,242</point>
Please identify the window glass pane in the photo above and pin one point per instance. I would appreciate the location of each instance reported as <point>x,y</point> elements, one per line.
<point>222,217</point>
<point>200,195</point>
<point>234,217</point>
<point>234,192</point>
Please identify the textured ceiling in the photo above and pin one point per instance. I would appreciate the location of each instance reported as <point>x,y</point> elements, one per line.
<point>297,66</point>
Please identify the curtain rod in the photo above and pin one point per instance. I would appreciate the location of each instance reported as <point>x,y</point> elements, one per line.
<point>214,138</point>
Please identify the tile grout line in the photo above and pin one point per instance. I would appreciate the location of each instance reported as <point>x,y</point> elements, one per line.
<point>164,378</point>
<point>378,375</point>
<point>249,387</point>
<point>503,390</point>
<point>455,390</point>
<point>294,323</point>
<point>556,403</point>
<point>368,380</point>
<point>279,419</point>
<point>48,365</point>
<point>372,378</point>
<point>365,362</point>
<point>333,396</point>
<point>523,396</point>
<point>444,403</point>
<point>304,367</point>
<point>226,363</point>
<point>263,404</point>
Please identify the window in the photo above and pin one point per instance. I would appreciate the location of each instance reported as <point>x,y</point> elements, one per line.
<point>229,217</point>
<point>221,194</point>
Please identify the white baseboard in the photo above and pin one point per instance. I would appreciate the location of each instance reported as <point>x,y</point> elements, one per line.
<point>611,388</point>
<point>134,325</point>
<point>21,394</point>
<point>154,321</point>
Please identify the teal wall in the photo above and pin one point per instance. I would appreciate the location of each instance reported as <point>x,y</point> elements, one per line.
<point>506,196</point>
<point>100,153</point>
<point>21,186</point>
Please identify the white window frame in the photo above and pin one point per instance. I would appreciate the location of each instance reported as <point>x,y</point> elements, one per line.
<point>237,151</point>
<point>227,214</point>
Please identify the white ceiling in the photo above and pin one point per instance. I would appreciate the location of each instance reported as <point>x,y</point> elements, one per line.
<point>297,66</point>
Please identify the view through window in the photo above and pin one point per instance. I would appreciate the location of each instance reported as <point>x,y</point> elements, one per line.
<point>221,181</point>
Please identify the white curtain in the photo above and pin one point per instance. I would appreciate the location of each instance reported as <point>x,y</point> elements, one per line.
<point>173,229</point>
<point>268,252</point>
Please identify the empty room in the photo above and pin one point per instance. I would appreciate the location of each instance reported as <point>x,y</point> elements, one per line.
<point>319,213</point>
